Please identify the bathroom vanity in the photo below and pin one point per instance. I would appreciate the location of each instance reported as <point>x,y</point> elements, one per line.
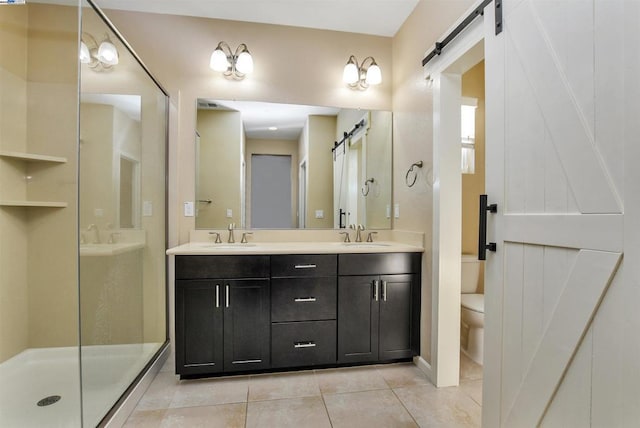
<point>277,306</point>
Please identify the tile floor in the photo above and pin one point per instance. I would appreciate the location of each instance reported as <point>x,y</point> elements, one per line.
<point>395,395</point>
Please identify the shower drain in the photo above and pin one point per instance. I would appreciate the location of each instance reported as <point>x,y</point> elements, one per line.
<point>47,401</point>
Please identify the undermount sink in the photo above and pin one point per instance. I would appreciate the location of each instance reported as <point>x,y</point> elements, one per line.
<point>229,246</point>
<point>365,244</point>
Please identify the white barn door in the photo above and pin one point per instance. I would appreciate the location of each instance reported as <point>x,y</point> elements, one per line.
<point>562,345</point>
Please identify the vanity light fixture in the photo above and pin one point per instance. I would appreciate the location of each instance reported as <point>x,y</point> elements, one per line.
<point>99,57</point>
<point>361,76</point>
<point>234,65</point>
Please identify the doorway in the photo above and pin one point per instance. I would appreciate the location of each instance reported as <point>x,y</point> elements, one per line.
<point>271,191</point>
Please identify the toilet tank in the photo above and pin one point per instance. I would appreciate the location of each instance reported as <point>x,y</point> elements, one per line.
<point>470,273</point>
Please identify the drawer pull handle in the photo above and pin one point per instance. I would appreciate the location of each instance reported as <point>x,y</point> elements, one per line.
<point>217,295</point>
<point>376,289</point>
<point>310,266</point>
<point>304,344</point>
<point>246,362</point>
<point>304,299</point>
<point>226,288</point>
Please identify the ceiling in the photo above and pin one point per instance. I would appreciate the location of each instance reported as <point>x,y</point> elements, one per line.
<point>258,117</point>
<point>376,17</point>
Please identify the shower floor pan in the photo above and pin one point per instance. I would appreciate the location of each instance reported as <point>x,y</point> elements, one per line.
<point>44,374</point>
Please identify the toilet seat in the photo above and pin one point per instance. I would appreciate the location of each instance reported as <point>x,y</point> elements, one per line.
<point>473,302</point>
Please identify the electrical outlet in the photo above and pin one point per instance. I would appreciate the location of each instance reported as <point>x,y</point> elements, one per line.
<point>388,211</point>
<point>229,213</point>
<point>98,212</point>
<point>319,213</point>
<point>147,208</point>
<point>396,210</point>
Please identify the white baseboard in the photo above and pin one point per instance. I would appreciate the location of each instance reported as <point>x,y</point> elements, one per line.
<point>120,416</point>
<point>425,367</point>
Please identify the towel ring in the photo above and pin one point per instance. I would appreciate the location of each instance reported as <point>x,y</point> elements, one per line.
<point>415,176</point>
<point>366,185</point>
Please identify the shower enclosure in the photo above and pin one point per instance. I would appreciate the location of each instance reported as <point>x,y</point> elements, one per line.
<point>83,131</point>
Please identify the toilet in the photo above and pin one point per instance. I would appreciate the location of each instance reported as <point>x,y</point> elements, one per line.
<point>472,309</point>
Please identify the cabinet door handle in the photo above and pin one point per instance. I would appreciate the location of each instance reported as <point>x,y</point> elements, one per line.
<point>309,266</point>
<point>308,344</point>
<point>384,290</point>
<point>304,299</point>
<point>217,295</point>
<point>227,295</point>
<point>375,290</point>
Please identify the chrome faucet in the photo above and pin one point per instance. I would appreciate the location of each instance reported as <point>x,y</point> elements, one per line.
<point>232,226</point>
<point>217,234</point>
<point>96,233</point>
<point>370,236</point>
<point>359,229</point>
<point>244,237</point>
<point>112,237</point>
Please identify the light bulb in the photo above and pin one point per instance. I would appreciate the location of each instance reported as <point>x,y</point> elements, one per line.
<point>107,53</point>
<point>85,56</point>
<point>374,75</point>
<point>244,63</point>
<point>350,74</point>
<point>219,60</point>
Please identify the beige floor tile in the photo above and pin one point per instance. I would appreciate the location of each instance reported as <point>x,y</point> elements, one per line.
<point>210,392</point>
<point>160,393</point>
<point>351,379</point>
<point>469,369</point>
<point>283,385</point>
<point>367,409</point>
<point>399,375</point>
<point>223,416</point>
<point>308,412</point>
<point>145,419</point>
<point>473,388</point>
<point>440,407</point>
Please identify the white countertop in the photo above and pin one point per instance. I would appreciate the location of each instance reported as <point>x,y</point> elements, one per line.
<point>210,248</point>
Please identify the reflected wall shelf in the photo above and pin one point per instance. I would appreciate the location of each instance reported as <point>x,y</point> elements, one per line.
<point>41,204</point>
<point>31,157</point>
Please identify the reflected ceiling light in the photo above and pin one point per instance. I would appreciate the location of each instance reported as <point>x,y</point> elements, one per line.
<point>273,128</point>
<point>234,65</point>
<point>99,57</point>
<point>361,76</point>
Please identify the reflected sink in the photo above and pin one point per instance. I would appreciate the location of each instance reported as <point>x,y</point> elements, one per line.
<point>364,244</point>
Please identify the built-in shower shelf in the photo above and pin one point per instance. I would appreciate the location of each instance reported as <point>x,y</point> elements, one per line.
<point>32,157</point>
<point>36,204</point>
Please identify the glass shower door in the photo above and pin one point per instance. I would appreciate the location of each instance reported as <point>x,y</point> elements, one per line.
<point>122,217</point>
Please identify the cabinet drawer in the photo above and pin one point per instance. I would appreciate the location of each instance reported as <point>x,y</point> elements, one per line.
<point>303,299</point>
<point>303,343</point>
<point>304,265</point>
<point>200,267</point>
<point>379,264</point>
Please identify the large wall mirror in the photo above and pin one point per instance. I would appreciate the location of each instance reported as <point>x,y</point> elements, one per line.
<point>281,166</point>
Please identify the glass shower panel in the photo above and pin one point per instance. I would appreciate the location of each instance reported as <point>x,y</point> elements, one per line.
<point>122,191</point>
<point>39,364</point>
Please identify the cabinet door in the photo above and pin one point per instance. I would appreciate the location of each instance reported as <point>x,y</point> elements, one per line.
<point>357,319</point>
<point>247,324</point>
<point>198,327</point>
<point>396,320</point>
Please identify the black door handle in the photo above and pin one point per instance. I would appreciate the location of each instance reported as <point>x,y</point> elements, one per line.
<point>482,233</point>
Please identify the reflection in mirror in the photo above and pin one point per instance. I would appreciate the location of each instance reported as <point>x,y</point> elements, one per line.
<point>266,165</point>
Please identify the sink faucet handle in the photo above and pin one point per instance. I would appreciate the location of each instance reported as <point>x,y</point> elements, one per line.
<point>370,236</point>
<point>244,237</point>
<point>217,234</point>
<point>112,237</point>
<point>346,236</point>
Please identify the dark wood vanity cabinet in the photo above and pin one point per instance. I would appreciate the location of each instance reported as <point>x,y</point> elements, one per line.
<point>303,310</point>
<point>378,307</point>
<point>256,312</point>
<point>222,314</point>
